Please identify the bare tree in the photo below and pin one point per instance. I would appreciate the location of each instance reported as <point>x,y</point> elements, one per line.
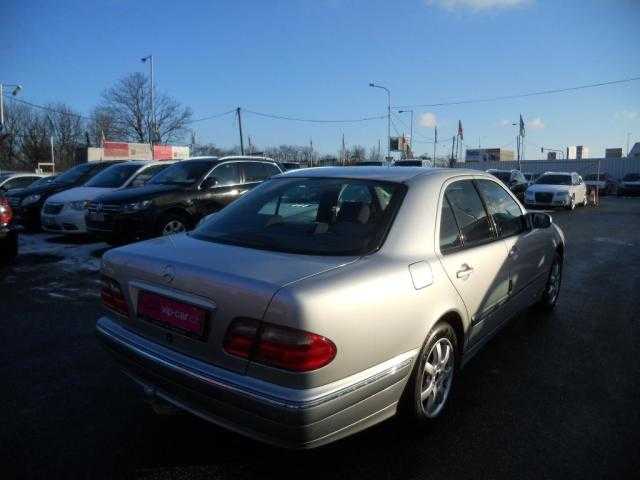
<point>104,126</point>
<point>127,105</point>
<point>67,129</point>
<point>356,154</point>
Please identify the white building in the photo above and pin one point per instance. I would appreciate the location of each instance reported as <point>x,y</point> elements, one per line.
<point>577,152</point>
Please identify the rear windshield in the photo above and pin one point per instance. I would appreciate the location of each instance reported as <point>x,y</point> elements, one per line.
<point>594,177</point>
<point>632,177</point>
<point>113,177</point>
<point>554,180</point>
<point>312,216</point>
<point>504,176</point>
<point>182,173</point>
<point>408,163</point>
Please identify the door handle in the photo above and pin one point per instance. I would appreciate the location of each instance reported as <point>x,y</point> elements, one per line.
<point>464,272</point>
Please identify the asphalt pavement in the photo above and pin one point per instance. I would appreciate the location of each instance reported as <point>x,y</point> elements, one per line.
<point>552,396</point>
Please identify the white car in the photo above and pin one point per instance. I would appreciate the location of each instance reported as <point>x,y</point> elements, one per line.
<point>557,189</point>
<point>65,211</point>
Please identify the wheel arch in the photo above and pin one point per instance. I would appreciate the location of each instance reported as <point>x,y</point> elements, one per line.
<point>176,211</point>
<point>453,318</point>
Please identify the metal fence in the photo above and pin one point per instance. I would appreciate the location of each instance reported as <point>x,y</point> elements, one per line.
<point>616,167</point>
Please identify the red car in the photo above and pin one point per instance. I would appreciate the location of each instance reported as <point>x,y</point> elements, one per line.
<point>8,235</point>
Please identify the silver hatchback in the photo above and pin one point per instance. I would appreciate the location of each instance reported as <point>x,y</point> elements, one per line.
<point>327,300</point>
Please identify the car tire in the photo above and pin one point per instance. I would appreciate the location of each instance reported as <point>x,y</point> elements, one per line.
<point>171,224</point>
<point>552,287</point>
<point>434,376</point>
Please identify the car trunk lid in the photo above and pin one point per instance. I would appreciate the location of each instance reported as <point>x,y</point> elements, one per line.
<point>183,280</point>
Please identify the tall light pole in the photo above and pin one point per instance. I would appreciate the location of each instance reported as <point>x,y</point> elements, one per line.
<point>16,89</point>
<point>153,107</point>
<point>628,136</point>
<point>388,116</point>
<point>411,137</point>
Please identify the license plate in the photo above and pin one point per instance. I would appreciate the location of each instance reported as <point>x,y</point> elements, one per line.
<point>172,314</point>
<point>96,216</point>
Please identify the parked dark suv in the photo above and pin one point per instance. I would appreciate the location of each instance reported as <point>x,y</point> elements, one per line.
<point>177,198</point>
<point>514,179</point>
<point>27,203</point>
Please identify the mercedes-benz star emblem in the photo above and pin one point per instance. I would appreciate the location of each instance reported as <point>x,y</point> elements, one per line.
<point>168,273</point>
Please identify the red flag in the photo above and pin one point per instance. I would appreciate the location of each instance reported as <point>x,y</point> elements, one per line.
<point>460,131</point>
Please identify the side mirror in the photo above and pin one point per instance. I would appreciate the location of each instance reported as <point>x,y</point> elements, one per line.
<point>540,220</point>
<point>210,182</point>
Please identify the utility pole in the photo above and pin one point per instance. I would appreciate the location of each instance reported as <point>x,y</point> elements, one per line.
<point>435,144</point>
<point>344,153</point>
<point>53,160</point>
<point>311,152</point>
<point>240,129</point>
<point>152,128</point>
<point>628,135</point>
<point>453,146</point>
<point>388,116</point>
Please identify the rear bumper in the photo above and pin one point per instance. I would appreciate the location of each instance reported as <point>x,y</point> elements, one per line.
<point>266,412</point>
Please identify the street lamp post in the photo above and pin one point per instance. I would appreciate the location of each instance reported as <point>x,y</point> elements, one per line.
<point>411,137</point>
<point>16,89</point>
<point>388,116</point>
<point>153,107</point>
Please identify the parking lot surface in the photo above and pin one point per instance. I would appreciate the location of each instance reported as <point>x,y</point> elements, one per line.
<point>552,396</point>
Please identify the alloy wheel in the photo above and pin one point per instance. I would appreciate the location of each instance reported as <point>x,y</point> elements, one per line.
<point>437,376</point>
<point>172,227</point>
<point>553,286</point>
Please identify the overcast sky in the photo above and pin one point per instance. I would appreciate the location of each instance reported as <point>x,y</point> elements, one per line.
<point>315,59</point>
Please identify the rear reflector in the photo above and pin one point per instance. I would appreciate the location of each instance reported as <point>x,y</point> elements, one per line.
<point>112,297</point>
<point>276,346</point>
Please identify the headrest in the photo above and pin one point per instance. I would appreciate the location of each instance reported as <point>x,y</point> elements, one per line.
<point>355,212</point>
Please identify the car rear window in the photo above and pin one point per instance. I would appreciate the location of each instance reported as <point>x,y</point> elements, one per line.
<point>554,180</point>
<point>312,216</point>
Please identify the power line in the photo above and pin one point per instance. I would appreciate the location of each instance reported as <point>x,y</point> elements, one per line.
<point>210,117</point>
<point>314,120</point>
<point>522,95</point>
<point>48,109</point>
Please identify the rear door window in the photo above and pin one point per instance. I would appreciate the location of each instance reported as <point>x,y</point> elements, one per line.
<point>449,232</point>
<point>504,210</point>
<point>226,174</point>
<point>469,213</point>
<point>258,171</point>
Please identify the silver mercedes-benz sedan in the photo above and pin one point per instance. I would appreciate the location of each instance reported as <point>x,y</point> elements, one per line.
<point>327,300</point>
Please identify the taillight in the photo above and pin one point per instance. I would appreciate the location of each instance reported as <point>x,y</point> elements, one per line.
<point>276,346</point>
<point>112,297</point>
<point>5,212</point>
<point>241,337</point>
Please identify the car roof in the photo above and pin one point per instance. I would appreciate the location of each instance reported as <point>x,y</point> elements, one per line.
<point>559,173</point>
<point>258,158</point>
<point>390,174</point>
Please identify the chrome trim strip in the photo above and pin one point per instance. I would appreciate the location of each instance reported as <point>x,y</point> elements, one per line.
<point>284,397</point>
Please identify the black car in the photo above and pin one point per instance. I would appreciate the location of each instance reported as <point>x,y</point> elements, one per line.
<point>514,179</point>
<point>8,235</point>
<point>177,198</point>
<point>28,202</point>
